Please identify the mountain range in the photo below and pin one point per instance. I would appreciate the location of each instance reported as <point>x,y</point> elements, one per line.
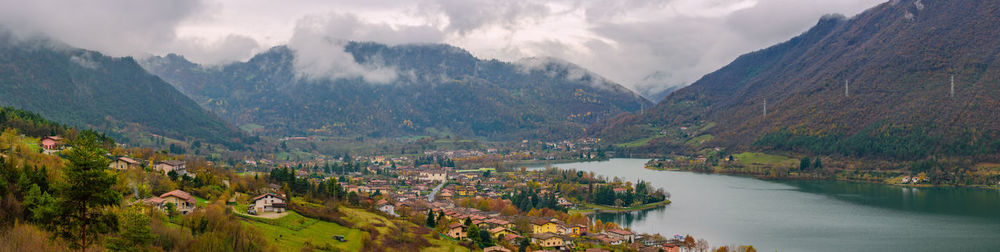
<point>875,85</point>
<point>109,94</point>
<point>439,90</point>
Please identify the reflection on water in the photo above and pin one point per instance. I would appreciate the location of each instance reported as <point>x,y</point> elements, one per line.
<point>626,219</point>
<point>941,200</point>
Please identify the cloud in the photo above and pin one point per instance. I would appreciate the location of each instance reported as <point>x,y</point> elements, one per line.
<point>215,52</point>
<point>318,43</point>
<point>642,44</point>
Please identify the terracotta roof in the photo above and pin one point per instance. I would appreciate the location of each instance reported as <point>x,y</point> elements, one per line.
<point>620,232</point>
<point>172,162</point>
<point>545,236</point>
<point>180,194</point>
<point>270,193</point>
<point>497,230</point>
<point>455,225</point>
<point>128,160</point>
<point>541,221</point>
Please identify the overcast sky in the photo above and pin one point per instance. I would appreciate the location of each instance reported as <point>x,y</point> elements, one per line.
<point>638,43</point>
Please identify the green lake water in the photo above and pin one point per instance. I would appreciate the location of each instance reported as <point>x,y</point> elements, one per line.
<point>798,215</point>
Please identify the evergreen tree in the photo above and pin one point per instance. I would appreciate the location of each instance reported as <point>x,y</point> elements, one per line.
<point>818,164</point>
<point>804,164</point>
<point>430,219</point>
<point>81,200</point>
<point>135,232</point>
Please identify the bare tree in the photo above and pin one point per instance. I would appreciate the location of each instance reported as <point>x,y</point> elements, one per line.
<point>701,245</point>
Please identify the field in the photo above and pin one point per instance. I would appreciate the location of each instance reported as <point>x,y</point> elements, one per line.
<point>756,158</point>
<point>292,232</point>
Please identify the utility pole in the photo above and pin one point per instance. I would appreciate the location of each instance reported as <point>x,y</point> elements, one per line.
<point>847,88</point>
<point>952,86</point>
<point>765,107</point>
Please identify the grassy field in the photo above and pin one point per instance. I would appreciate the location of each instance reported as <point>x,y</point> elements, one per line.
<point>756,158</point>
<point>636,143</point>
<point>698,141</point>
<point>383,225</point>
<point>290,233</point>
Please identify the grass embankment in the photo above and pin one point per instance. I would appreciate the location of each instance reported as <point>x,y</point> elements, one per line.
<point>293,231</point>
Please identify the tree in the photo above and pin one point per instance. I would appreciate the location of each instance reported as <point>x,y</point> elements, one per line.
<point>134,234</point>
<point>689,242</point>
<point>430,219</point>
<point>473,233</point>
<point>701,245</point>
<point>84,195</point>
<point>804,164</point>
<point>818,164</point>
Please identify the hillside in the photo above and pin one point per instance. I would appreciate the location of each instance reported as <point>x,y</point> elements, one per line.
<point>897,57</point>
<point>85,88</point>
<point>441,91</point>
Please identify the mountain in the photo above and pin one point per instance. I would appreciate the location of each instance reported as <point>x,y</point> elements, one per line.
<point>439,90</point>
<point>85,88</point>
<point>897,60</point>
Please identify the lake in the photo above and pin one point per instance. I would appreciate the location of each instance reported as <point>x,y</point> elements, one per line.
<point>799,215</point>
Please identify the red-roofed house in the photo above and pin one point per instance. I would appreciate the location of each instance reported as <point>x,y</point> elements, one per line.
<point>268,202</point>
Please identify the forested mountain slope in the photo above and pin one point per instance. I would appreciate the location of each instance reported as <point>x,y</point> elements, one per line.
<point>439,90</point>
<point>897,60</point>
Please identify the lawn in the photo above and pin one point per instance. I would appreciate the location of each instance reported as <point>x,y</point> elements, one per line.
<point>751,158</point>
<point>290,233</point>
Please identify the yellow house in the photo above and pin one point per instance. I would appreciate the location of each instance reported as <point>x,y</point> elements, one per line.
<point>124,163</point>
<point>539,226</point>
<point>457,231</point>
<point>499,231</point>
<point>548,240</point>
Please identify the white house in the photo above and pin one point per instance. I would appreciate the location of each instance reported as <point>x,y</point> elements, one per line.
<point>388,209</point>
<point>440,176</point>
<point>268,202</point>
<point>177,166</point>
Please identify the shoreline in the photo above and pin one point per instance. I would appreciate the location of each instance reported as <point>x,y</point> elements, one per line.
<point>767,178</point>
<point>596,209</point>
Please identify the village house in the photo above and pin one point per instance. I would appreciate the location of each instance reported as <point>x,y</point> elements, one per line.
<point>124,163</point>
<point>548,240</point>
<point>457,231</point>
<point>387,208</point>
<point>177,166</point>
<point>499,232</point>
<point>621,234</point>
<point>183,202</point>
<point>267,202</point>
<point>439,176</point>
<point>539,226</point>
<point>52,143</point>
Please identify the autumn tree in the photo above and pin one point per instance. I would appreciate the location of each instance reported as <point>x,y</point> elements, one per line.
<point>134,233</point>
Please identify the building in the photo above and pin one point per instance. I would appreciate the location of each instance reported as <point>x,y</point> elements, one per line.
<point>52,143</point>
<point>268,202</point>
<point>621,234</point>
<point>183,202</point>
<point>495,249</point>
<point>457,231</point>
<point>539,226</point>
<point>439,176</point>
<point>499,232</point>
<point>548,240</point>
<point>177,166</point>
<point>388,209</point>
<point>124,163</point>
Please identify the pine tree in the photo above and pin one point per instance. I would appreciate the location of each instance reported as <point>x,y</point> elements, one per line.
<point>82,198</point>
<point>430,219</point>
